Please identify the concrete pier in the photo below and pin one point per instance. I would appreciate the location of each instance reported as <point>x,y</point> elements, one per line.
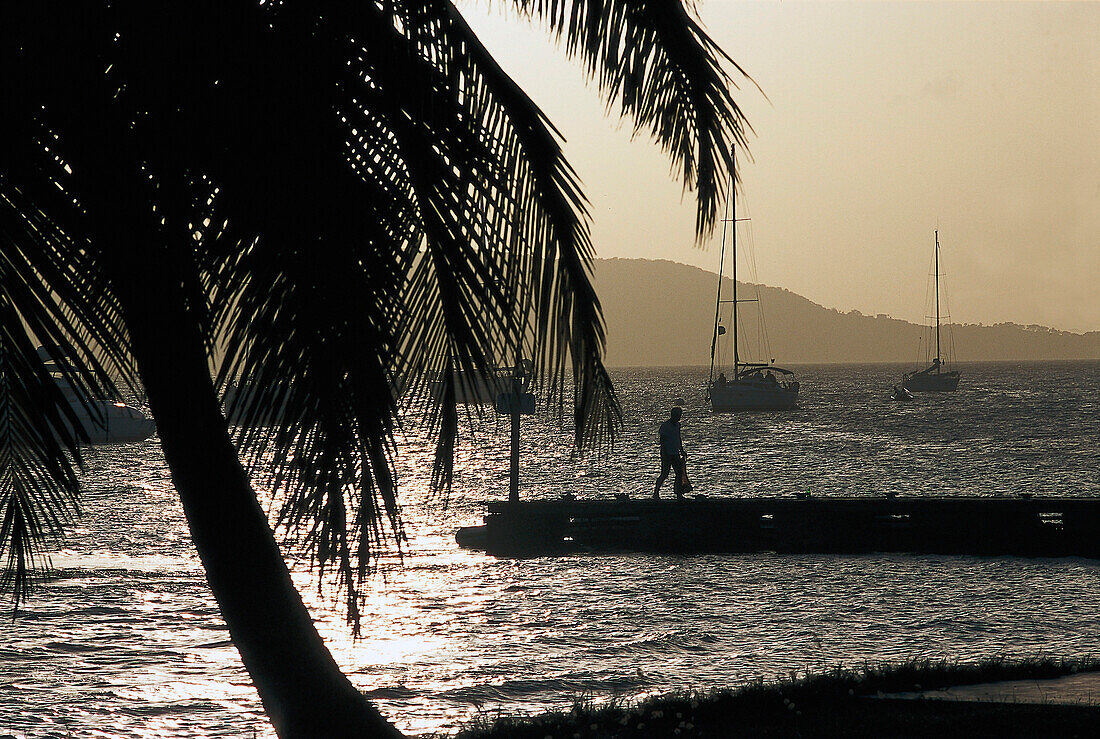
<point>1049,527</point>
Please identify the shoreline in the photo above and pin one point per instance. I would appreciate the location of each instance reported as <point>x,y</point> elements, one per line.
<point>868,701</point>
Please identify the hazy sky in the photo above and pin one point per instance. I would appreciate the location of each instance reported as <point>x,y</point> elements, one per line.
<point>882,122</point>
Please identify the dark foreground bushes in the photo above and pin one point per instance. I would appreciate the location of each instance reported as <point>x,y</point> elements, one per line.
<point>841,702</point>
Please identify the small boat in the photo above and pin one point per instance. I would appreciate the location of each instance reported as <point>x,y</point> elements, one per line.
<point>900,393</point>
<point>103,421</point>
<point>477,389</point>
<point>934,378</point>
<point>752,386</point>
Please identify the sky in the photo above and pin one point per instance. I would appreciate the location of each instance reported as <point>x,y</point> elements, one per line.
<point>876,123</point>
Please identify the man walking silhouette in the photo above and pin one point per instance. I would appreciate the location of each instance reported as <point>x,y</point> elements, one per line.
<point>672,453</point>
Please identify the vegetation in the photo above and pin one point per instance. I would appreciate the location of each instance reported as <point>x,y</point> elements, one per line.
<point>330,203</point>
<point>840,702</point>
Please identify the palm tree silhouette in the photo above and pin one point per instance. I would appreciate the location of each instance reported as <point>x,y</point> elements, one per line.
<point>330,203</point>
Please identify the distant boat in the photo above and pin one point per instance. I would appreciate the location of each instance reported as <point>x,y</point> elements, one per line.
<point>752,386</point>
<point>477,389</point>
<point>103,421</point>
<point>900,393</point>
<point>934,378</point>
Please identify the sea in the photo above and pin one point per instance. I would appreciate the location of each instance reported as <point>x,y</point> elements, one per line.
<point>125,639</point>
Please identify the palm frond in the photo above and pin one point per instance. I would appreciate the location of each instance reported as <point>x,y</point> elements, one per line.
<point>666,73</point>
<point>38,487</point>
<point>54,291</point>
<point>523,226</point>
<point>426,241</point>
<point>356,201</point>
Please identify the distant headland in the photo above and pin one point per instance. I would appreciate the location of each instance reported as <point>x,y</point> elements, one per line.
<point>660,313</point>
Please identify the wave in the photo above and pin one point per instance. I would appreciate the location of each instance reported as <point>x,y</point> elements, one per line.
<point>513,690</point>
<point>100,562</point>
<point>75,648</point>
<point>394,692</point>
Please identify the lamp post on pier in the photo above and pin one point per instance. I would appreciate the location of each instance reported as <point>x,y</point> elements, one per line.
<point>515,402</point>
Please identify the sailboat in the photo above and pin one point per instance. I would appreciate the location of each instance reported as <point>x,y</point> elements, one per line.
<point>103,421</point>
<point>934,378</point>
<point>752,386</point>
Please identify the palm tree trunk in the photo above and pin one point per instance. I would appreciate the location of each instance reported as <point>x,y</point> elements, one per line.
<point>302,689</point>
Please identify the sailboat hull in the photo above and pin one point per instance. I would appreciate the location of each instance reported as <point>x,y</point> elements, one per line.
<point>113,423</point>
<point>942,382</point>
<point>99,420</point>
<point>752,396</point>
<point>104,421</point>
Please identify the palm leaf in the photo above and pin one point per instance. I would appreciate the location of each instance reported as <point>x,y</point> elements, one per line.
<point>423,243</point>
<point>667,74</point>
<point>54,291</point>
<point>357,201</point>
<point>43,298</point>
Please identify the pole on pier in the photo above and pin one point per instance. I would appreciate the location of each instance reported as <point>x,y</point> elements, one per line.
<point>513,464</point>
<point>515,402</point>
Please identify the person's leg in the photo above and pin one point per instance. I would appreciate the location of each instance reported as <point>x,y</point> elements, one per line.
<point>678,484</point>
<point>666,465</point>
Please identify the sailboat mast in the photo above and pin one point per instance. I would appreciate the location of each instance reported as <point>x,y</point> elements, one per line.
<point>733,249</point>
<point>717,303</point>
<point>937,298</point>
<point>730,215</point>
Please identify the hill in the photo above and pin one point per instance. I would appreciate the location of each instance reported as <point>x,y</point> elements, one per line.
<point>660,313</point>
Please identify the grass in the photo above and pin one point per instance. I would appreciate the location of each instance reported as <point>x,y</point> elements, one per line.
<point>840,702</point>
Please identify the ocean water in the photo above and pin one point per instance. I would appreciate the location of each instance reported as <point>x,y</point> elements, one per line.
<point>125,640</point>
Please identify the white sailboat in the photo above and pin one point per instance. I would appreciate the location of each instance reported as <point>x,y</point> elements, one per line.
<point>103,421</point>
<point>752,386</point>
<point>934,378</point>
